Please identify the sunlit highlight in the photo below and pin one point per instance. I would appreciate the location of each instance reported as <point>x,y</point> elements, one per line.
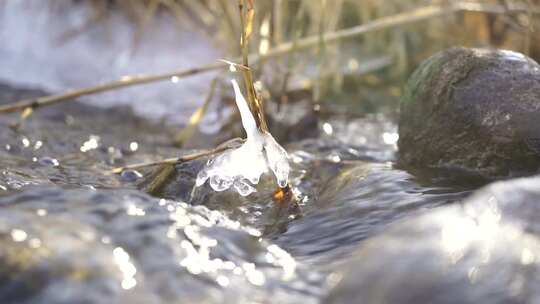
<point>122,259</point>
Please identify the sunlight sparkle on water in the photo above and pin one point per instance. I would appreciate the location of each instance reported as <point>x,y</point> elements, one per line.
<point>390,138</point>
<point>121,257</point>
<point>18,235</point>
<point>135,211</point>
<point>327,128</point>
<point>34,243</point>
<point>334,158</point>
<point>38,145</point>
<point>283,259</point>
<point>133,146</point>
<point>253,275</point>
<point>353,65</point>
<point>91,144</point>
<point>222,281</point>
<point>459,233</point>
<point>527,257</point>
<point>26,142</point>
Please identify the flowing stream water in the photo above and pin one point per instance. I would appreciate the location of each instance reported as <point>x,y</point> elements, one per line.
<point>72,232</point>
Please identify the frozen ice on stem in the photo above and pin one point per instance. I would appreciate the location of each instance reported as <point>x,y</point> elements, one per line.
<point>241,168</point>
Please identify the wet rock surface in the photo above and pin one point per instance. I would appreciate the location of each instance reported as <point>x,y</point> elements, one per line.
<point>473,110</point>
<point>485,250</point>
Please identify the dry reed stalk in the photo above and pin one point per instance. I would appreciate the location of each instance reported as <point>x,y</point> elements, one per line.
<point>187,132</point>
<point>247,14</point>
<point>230,144</point>
<point>416,15</point>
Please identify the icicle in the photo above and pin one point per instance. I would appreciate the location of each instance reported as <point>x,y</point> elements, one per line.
<point>242,167</point>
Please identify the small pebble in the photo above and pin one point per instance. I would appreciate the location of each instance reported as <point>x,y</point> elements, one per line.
<point>49,161</point>
<point>130,175</point>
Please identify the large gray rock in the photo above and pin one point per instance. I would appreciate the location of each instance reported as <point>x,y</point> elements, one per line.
<point>473,110</point>
<point>486,250</point>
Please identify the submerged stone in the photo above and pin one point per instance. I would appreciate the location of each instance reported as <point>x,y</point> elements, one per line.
<point>486,250</point>
<point>473,110</point>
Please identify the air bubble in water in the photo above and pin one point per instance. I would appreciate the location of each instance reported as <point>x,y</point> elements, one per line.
<point>220,184</point>
<point>243,188</point>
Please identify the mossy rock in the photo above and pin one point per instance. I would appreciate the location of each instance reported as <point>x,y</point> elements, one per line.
<point>473,110</point>
<point>484,250</point>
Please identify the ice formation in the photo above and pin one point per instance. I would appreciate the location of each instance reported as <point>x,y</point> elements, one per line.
<point>242,168</point>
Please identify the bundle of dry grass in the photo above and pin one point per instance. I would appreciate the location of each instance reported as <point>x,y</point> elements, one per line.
<point>339,41</point>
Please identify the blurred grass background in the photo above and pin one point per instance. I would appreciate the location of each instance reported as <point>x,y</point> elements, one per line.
<point>333,71</point>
